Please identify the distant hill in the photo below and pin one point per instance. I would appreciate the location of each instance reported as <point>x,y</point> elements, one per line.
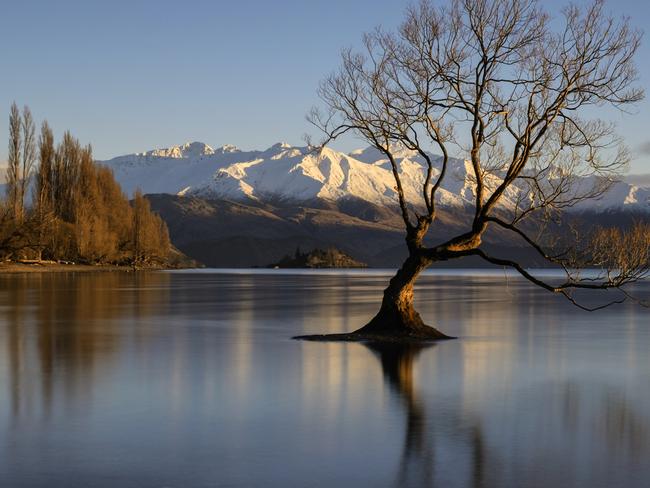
<point>221,233</point>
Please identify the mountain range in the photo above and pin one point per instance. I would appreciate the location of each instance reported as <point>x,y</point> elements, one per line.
<point>227,207</point>
<point>298,175</point>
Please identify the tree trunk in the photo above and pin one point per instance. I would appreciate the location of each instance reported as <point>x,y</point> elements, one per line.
<point>397,315</point>
<point>397,320</point>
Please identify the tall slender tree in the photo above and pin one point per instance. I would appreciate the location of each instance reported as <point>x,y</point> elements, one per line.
<point>13,162</point>
<point>43,197</point>
<point>28,157</point>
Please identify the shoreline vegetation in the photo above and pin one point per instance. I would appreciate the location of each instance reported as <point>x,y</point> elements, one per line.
<point>54,267</point>
<point>179,261</point>
<point>77,212</point>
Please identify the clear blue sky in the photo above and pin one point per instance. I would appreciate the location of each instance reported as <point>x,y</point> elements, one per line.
<point>133,75</point>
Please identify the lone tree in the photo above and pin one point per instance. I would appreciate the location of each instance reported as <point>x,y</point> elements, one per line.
<point>517,94</point>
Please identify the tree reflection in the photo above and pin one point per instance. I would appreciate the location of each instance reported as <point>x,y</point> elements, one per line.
<point>416,463</point>
<point>60,331</point>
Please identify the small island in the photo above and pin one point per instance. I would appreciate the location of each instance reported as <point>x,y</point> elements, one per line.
<point>319,258</point>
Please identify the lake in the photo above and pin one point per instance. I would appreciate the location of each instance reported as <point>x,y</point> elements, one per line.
<point>191,379</point>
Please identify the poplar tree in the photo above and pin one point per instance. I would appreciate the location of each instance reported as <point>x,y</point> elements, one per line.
<point>13,161</point>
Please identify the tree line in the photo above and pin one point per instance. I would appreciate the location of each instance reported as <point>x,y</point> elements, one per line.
<point>77,211</point>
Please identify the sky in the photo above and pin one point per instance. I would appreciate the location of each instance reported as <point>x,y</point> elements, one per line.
<point>129,76</point>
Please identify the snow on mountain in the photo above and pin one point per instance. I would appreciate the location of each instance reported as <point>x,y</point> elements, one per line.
<point>625,195</point>
<point>296,174</point>
<point>186,151</point>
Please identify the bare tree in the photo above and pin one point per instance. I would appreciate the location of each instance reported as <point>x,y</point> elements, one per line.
<point>515,93</point>
<point>28,153</point>
<point>43,192</point>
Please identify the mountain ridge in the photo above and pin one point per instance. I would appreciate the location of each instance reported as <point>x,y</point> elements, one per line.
<point>294,174</point>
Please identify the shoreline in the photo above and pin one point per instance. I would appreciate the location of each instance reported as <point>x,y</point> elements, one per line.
<point>49,267</point>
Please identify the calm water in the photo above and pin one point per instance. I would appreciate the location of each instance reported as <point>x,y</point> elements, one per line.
<point>189,379</point>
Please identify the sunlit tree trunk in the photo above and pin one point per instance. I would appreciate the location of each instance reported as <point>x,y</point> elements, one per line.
<point>397,314</point>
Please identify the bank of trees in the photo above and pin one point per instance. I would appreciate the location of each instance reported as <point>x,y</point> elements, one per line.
<point>61,206</point>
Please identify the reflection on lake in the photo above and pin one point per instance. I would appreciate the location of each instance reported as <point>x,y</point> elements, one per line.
<point>189,379</point>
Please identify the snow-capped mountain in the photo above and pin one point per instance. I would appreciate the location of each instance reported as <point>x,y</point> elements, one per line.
<point>296,174</point>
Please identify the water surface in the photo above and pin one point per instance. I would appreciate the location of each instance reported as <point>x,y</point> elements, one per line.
<point>190,379</point>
